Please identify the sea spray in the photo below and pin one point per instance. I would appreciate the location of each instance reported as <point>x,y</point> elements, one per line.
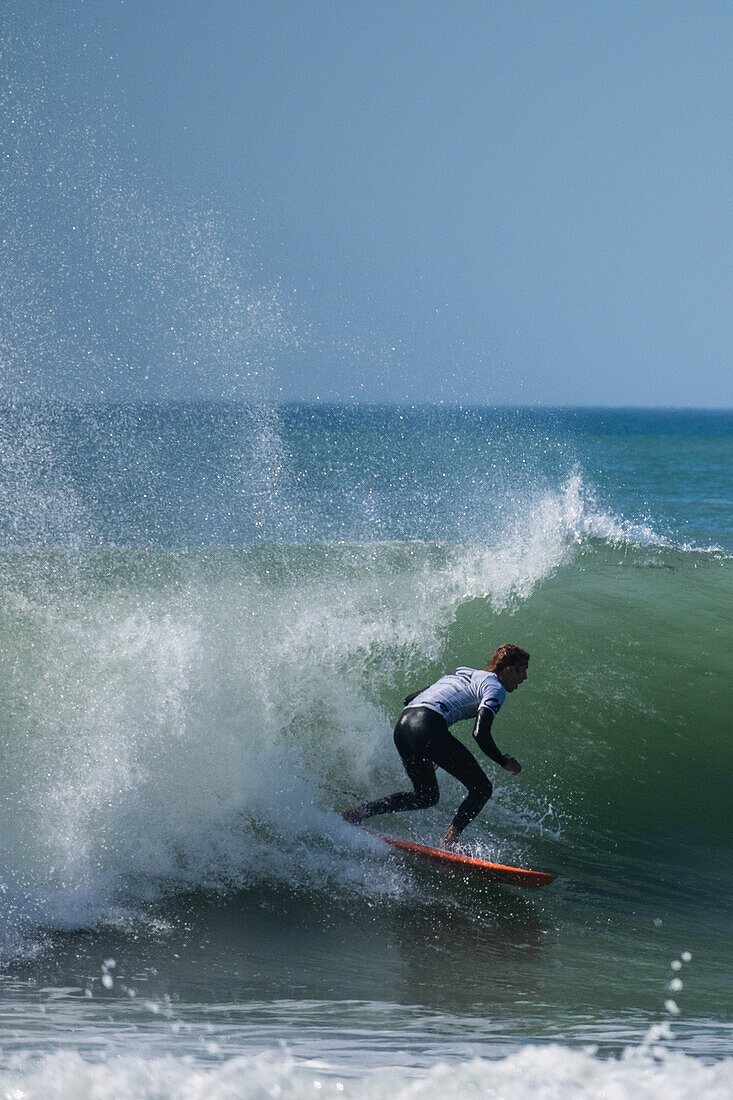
<point>148,291</point>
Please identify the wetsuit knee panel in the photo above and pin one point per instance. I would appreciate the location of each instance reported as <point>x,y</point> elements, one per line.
<point>486,790</point>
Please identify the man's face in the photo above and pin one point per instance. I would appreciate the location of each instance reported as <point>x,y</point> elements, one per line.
<point>513,675</point>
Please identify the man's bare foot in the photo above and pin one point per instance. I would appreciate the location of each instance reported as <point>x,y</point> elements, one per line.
<point>450,840</point>
<point>352,816</point>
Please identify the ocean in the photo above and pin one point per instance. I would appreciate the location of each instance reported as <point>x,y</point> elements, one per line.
<point>210,615</point>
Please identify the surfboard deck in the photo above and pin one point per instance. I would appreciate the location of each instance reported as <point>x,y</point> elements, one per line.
<point>497,872</point>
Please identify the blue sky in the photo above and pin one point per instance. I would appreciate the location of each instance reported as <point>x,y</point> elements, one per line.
<point>523,203</point>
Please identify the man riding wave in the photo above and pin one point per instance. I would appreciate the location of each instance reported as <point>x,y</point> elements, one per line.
<point>425,743</point>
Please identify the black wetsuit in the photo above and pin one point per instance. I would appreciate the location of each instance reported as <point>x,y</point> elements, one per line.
<point>422,737</point>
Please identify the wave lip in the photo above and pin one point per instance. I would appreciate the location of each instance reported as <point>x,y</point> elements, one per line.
<point>540,534</point>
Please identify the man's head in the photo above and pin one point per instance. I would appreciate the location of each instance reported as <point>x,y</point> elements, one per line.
<point>510,665</point>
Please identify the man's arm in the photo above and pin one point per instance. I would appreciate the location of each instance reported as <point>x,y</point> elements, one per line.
<point>482,733</point>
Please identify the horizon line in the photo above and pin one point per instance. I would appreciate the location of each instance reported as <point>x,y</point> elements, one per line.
<point>318,402</point>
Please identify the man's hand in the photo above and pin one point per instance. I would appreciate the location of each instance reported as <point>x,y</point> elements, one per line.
<point>512,765</point>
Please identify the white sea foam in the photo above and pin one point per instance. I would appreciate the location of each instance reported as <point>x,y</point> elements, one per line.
<point>553,1072</point>
<point>176,741</point>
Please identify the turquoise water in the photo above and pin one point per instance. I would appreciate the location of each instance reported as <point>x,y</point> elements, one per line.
<point>209,617</point>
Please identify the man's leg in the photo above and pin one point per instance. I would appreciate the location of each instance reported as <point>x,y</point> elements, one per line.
<point>411,737</point>
<point>425,793</point>
<point>450,754</point>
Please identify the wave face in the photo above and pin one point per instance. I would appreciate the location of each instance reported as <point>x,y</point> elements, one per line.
<point>151,700</point>
<point>209,617</point>
<point>155,695</point>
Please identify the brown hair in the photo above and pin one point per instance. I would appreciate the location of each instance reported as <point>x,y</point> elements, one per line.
<point>507,655</point>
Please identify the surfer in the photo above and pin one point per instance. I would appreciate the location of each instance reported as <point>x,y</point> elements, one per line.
<point>425,743</point>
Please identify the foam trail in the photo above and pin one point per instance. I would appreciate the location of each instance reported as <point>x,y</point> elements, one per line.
<point>564,1072</point>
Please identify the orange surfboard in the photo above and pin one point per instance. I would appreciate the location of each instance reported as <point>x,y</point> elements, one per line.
<point>515,876</point>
